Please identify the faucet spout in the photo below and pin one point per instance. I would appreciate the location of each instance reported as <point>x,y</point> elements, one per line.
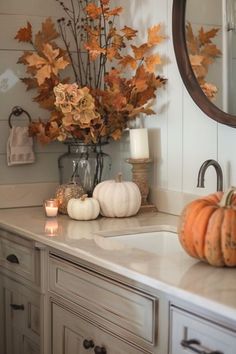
<point>202,171</point>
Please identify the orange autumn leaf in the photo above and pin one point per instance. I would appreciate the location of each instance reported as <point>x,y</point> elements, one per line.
<point>140,80</point>
<point>36,60</point>
<point>112,53</point>
<point>205,37</point>
<point>49,30</point>
<point>24,34</point>
<point>119,101</point>
<point>192,41</point>
<point>140,51</point>
<point>46,103</point>
<point>129,32</point>
<point>43,73</point>
<point>196,60</point>
<point>29,82</point>
<point>45,35</point>
<point>93,32</point>
<point>206,61</point>
<point>144,110</point>
<point>113,78</point>
<point>22,59</point>
<point>94,48</point>
<point>209,90</point>
<point>154,36</point>
<point>200,72</point>
<point>93,11</point>
<point>114,12</point>
<point>116,135</point>
<point>118,41</point>
<point>211,50</point>
<point>152,61</point>
<point>47,65</point>
<point>128,61</point>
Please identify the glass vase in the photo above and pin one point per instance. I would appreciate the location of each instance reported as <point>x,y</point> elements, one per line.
<point>85,164</point>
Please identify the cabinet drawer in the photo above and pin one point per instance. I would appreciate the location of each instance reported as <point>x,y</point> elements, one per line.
<point>208,337</point>
<point>71,332</point>
<point>19,256</point>
<point>125,307</point>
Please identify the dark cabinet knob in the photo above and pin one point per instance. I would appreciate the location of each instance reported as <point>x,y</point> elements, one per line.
<point>17,307</point>
<point>100,350</point>
<point>88,344</point>
<point>12,259</point>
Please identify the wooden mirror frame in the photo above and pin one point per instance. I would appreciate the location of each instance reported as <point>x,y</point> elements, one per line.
<point>186,71</point>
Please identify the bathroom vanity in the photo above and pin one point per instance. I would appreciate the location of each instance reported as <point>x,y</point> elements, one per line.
<point>86,287</point>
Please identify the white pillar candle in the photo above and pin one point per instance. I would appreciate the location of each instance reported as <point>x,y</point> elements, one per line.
<point>139,148</point>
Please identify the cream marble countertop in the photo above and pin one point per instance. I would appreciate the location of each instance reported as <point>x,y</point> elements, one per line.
<point>170,269</point>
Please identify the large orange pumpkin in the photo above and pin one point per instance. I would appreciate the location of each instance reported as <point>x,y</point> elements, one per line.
<point>207,229</point>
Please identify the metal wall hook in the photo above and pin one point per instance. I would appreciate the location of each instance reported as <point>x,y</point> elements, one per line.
<point>17,111</point>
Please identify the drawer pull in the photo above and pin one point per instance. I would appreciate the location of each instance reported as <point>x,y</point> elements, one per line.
<point>88,344</point>
<point>17,307</point>
<point>100,350</point>
<point>189,344</point>
<point>12,259</point>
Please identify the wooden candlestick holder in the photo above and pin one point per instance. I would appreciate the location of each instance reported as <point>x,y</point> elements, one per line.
<point>140,177</point>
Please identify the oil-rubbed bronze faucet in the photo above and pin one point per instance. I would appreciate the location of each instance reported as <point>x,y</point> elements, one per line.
<point>202,171</point>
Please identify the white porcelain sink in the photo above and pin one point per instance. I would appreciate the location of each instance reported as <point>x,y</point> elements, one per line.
<point>158,242</point>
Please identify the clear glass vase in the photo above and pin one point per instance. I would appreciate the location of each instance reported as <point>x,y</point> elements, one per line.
<point>85,164</point>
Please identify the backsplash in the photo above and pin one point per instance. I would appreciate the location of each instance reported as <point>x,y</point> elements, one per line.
<point>181,137</point>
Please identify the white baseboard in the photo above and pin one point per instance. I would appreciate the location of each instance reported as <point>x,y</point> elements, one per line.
<point>23,195</point>
<point>171,202</point>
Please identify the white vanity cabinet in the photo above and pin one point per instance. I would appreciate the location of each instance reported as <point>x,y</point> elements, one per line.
<point>92,313</point>
<point>19,295</point>
<point>191,333</point>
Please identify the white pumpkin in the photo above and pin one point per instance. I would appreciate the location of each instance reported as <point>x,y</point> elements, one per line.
<point>83,208</point>
<point>118,198</point>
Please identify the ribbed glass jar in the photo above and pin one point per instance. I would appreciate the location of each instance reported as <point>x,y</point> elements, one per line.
<point>85,164</point>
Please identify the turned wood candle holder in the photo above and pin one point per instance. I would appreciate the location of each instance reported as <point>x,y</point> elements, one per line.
<point>140,177</point>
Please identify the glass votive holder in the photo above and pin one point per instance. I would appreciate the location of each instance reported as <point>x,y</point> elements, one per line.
<point>51,207</point>
<point>51,227</point>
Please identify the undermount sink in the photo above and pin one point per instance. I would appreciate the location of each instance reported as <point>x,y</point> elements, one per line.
<point>158,242</point>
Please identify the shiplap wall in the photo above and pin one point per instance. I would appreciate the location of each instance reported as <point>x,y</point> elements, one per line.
<point>13,15</point>
<point>181,136</point>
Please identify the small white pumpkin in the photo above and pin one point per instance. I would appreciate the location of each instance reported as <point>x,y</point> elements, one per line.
<point>83,208</point>
<point>118,198</point>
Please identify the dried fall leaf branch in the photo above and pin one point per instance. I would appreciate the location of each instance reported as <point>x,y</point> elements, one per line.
<point>202,53</point>
<point>117,86</point>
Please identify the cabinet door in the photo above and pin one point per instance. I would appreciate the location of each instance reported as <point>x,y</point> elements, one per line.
<point>71,333</point>
<point>19,318</point>
<point>20,343</point>
<point>192,334</point>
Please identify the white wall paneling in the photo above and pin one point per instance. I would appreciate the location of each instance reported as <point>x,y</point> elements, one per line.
<point>181,137</point>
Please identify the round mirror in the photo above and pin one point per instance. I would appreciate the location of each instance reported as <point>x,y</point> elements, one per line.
<point>204,37</point>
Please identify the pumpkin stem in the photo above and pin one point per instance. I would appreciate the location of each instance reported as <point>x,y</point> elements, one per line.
<point>119,177</point>
<point>227,197</point>
<point>83,197</point>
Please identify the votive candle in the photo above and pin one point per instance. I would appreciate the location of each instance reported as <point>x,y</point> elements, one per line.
<point>51,207</point>
<point>139,148</point>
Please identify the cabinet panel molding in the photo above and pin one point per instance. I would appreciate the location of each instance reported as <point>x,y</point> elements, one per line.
<point>132,310</point>
<point>70,331</point>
